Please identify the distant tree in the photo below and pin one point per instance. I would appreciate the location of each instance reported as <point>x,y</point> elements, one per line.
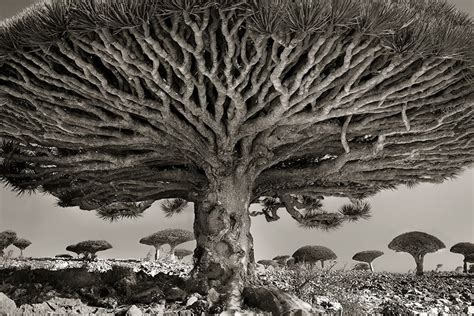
<point>7,238</point>
<point>313,254</point>
<point>463,248</point>
<point>367,256</point>
<point>459,269</point>
<point>22,244</point>
<point>74,248</point>
<point>172,237</point>
<point>417,244</point>
<point>63,256</point>
<point>361,266</point>
<point>281,260</point>
<point>438,266</point>
<point>180,253</point>
<point>89,248</point>
<point>290,262</point>
<point>268,263</point>
<point>153,240</point>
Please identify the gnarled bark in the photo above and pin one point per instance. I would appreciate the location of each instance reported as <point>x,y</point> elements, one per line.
<point>224,251</point>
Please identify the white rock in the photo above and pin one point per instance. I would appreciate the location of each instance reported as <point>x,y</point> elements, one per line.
<point>134,311</point>
<point>7,305</point>
<point>191,300</point>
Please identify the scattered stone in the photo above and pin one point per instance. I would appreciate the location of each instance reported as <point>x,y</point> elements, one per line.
<point>276,301</point>
<point>134,311</point>
<point>7,305</point>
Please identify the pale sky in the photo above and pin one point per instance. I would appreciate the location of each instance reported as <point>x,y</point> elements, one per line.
<point>444,210</point>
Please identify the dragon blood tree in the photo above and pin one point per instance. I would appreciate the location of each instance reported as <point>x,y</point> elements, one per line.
<point>313,254</point>
<point>22,244</point>
<point>89,248</point>
<point>465,249</point>
<point>110,105</point>
<point>417,244</point>
<point>368,256</point>
<point>172,237</point>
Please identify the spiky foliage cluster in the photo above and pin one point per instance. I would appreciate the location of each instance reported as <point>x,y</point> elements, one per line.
<point>173,206</point>
<point>356,211</point>
<point>7,238</point>
<point>89,248</point>
<point>309,213</point>
<point>416,243</point>
<point>120,210</point>
<point>313,254</point>
<point>180,253</point>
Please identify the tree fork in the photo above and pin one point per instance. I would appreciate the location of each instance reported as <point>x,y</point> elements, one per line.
<point>224,251</point>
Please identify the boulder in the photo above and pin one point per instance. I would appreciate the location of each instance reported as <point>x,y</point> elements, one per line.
<point>277,302</point>
<point>7,305</point>
<point>134,311</point>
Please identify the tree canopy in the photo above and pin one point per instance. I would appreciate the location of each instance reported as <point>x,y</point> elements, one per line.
<point>416,243</point>
<point>22,243</point>
<point>312,254</point>
<point>89,248</point>
<point>7,238</point>
<point>150,99</point>
<point>367,255</point>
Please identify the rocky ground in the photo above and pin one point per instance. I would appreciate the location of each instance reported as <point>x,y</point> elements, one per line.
<point>132,287</point>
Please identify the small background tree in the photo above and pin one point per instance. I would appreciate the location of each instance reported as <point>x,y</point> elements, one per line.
<point>180,253</point>
<point>22,244</point>
<point>463,248</point>
<point>63,256</point>
<point>367,256</point>
<point>154,241</point>
<point>172,237</point>
<point>7,238</point>
<point>313,254</point>
<point>89,248</point>
<point>417,244</point>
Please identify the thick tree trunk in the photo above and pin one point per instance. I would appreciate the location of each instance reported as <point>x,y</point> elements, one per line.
<point>371,267</point>
<point>322,264</point>
<point>419,264</point>
<point>224,250</point>
<point>157,253</point>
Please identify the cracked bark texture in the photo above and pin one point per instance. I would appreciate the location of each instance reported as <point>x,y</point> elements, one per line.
<point>112,105</point>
